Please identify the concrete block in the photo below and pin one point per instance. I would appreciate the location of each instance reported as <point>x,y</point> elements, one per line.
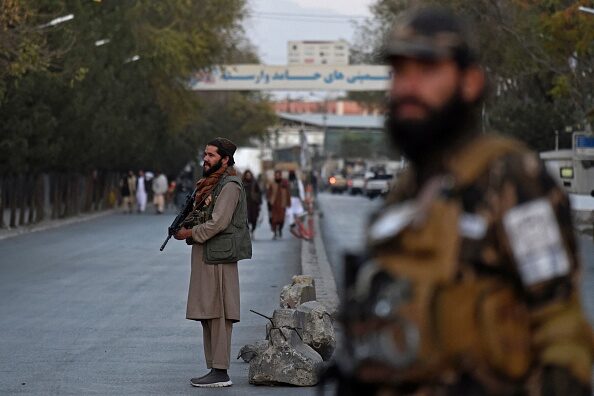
<point>291,362</point>
<point>316,326</point>
<point>301,289</point>
<point>311,321</point>
<point>250,351</point>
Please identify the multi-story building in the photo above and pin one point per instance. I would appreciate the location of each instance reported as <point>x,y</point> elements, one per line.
<point>318,52</point>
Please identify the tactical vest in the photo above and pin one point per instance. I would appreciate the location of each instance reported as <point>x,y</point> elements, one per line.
<point>233,243</point>
<point>423,320</point>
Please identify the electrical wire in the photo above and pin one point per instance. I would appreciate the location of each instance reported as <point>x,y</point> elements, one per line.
<point>296,19</point>
<point>315,16</point>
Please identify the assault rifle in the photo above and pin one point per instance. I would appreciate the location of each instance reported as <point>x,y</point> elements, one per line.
<point>181,216</point>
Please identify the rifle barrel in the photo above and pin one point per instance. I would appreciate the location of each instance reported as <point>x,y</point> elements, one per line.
<point>165,243</point>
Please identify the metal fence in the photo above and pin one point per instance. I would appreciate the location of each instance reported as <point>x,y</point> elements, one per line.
<point>27,199</point>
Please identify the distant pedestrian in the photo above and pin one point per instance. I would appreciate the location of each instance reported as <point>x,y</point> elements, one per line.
<point>314,182</point>
<point>159,189</point>
<point>141,193</point>
<point>170,195</point>
<point>128,190</point>
<point>254,199</point>
<point>297,196</point>
<point>184,186</point>
<point>279,199</point>
<point>148,178</point>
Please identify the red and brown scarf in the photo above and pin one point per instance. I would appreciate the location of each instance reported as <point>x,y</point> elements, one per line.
<point>207,184</point>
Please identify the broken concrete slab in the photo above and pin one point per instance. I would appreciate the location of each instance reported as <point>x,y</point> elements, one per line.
<point>250,351</point>
<point>286,362</point>
<point>301,289</point>
<point>311,321</point>
<point>316,327</point>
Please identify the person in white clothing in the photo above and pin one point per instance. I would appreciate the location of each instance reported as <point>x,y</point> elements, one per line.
<point>141,195</point>
<point>297,194</point>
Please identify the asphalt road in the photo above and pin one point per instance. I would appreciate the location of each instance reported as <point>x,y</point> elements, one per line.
<point>343,223</point>
<point>95,308</point>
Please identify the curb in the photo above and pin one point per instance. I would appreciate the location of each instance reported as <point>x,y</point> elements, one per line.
<point>50,224</point>
<point>314,263</point>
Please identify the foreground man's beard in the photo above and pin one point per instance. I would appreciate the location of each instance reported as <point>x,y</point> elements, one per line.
<point>212,169</point>
<point>443,127</point>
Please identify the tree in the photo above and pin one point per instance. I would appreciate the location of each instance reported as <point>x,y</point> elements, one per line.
<point>539,56</point>
<point>108,89</point>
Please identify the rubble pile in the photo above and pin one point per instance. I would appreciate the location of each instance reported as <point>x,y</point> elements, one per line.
<point>299,338</point>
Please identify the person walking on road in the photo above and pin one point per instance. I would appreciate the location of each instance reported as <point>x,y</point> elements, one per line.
<point>469,283</point>
<point>159,186</point>
<point>128,191</point>
<point>279,199</point>
<point>141,192</point>
<point>254,199</point>
<point>297,196</point>
<point>218,232</point>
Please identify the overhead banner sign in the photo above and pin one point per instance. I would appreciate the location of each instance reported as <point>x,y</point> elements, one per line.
<point>293,78</point>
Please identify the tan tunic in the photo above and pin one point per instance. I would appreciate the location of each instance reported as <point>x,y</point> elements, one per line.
<point>214,288</point>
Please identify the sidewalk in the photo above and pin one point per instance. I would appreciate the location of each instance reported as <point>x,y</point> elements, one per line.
<point>314,262</point>
<point>50,224</point>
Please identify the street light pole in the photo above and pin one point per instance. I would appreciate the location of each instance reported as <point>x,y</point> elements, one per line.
<point>57,21</point>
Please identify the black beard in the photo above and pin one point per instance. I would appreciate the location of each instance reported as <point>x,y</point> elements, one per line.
<point>421,140</point>
<point>212,169</point>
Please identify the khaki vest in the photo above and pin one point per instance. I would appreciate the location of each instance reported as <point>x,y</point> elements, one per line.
<point>477,324</point>
<point>233,243</point>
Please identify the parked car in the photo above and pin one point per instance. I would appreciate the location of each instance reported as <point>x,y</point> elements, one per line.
<point>356,183</point>
<point>378,184</point>
<point>337,184</point>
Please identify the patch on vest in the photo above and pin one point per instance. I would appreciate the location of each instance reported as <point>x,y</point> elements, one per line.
<point>536,242</point>
<point>472,226</point>
<point>392,221</point>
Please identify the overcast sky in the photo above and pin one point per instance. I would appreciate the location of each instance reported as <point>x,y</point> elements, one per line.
<point>274,22</point>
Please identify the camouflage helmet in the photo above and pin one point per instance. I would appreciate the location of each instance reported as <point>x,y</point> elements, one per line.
<point>431,33</point>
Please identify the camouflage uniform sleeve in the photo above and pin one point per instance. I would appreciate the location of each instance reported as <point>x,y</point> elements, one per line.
<point>536,239</point>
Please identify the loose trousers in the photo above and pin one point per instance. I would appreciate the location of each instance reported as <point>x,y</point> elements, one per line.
<point>216,334</point>
<point>159,201</point>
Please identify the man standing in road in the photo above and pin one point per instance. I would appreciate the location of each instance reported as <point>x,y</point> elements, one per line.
<point>279,199</point>
<point>128,190</point>
<point>218,231</point>
<point>470,284</point>
<point>159,186</point>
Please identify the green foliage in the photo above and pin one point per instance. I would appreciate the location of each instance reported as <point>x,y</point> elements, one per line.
<point>69,104</point>
<point>539,56</point>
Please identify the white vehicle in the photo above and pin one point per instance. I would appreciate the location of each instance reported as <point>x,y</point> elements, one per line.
<point>377,184</point>
<point>574,168</point>
<point>356,183</point>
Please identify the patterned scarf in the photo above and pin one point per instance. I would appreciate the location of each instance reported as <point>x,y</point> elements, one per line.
<point>207,184</point>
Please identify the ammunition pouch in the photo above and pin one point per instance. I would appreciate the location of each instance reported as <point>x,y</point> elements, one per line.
<point>195,218</point>
<point>404,331</point>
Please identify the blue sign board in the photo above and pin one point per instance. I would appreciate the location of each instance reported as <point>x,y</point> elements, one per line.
<point>584,141</point>
<point>584,144</point>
